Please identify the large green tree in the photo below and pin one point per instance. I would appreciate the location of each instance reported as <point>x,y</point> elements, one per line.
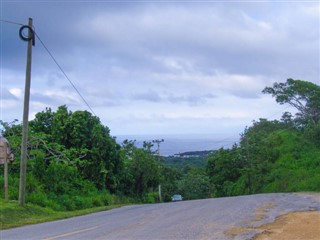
<point>79,139</point>
<point>224,169</point>
<point>142,172</point>
<point>194,184</point>
<point>303,95</point>
<point>258,148</point>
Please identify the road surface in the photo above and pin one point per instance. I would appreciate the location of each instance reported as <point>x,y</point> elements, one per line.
<point>198,219</point>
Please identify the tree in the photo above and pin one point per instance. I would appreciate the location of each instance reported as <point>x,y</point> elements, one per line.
<point>194,185</point>
<point>169,179</point>
<point>259,149</point>
<point>79,139</point>
<point>303,95</point>
<point>224,168</point>
<point>141,169</point>
<point>42,121</point>
<point>59,130</point>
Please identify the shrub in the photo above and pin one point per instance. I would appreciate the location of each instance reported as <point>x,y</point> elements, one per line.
<point>13,187</point>
<point>38,198</point>
<point>66,202</point>
<point>150,197</point>
<point>82,202</point>
<point>97,201</point>
<point>106,198</point>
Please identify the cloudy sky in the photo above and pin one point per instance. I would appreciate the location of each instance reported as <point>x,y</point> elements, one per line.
<point>159,67</point>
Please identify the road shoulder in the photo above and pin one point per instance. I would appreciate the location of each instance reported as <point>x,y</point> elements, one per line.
<point>293,225</point>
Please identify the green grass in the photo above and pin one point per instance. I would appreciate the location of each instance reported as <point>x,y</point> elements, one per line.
<point>14,215</point>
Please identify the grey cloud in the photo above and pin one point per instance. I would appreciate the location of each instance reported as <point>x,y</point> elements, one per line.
<point>245,42</point>
<point>239,44</point>
<point>6,95</point>
<point>47,100</point>
<point>246,94</point>
<point>56,98</point>
<point>170,54</point>
<point>193,99</point>
<point>150,96</point>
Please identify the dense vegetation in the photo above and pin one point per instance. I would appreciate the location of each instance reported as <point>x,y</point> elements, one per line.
<point>74,163</point>
<point>274,156</point>
<point>187,160</point>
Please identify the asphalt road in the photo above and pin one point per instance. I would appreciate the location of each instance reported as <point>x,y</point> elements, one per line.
<point>199,219</point>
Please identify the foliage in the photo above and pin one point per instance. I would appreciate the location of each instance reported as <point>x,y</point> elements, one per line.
<point>13,215</point>
<point>75,163</point>
<point>224,167</point>
<point>142,168</point>
<point>194,185</point>
<point>169,181</point>
<point>274,156</point>
<point>192,160</point>
<point>303,95</point>
<point>277,160</point>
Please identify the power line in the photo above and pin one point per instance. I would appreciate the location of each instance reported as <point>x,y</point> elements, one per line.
<point>63,72</point>
<point>11,22</point>
<point>55,61</point>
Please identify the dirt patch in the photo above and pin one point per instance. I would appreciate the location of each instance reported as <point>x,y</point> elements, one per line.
<point>236,231</point>
<point>260,214</point>
<point>294,226</point>
<point>262,211</point>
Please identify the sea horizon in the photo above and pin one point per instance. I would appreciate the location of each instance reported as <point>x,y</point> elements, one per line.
<point>180,143</point>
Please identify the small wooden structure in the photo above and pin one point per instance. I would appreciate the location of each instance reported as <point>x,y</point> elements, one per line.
<point>5,157</point>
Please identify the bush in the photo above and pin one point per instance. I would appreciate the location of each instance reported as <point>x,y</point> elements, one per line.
<point>66,202</point>
<point>312,133</point>
<point>60,178</point>
<point>82,202</point>
<point>38,198</point>
<point>97,201</point>
<point>106,198</point>
<point>13,187</point>
<point>151,197</point>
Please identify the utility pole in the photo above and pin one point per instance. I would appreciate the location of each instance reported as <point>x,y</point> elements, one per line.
<point>158,141</point>
<point>23,163</point>
<point>248,165</point>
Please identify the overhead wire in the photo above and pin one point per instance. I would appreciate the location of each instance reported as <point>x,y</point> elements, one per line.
<point>64,73</point>
<point>227,140</point>
<point>11,22</point>
<point>53,58</point>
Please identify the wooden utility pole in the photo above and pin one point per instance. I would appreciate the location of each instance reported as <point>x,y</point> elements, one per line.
<point>23,163</point>
<point>248,165</point>
<point>158,141</point>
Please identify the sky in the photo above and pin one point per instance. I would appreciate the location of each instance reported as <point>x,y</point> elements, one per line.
<point>159,67</point>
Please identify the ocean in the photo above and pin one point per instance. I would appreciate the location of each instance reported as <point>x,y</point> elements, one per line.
<point>176,144</point>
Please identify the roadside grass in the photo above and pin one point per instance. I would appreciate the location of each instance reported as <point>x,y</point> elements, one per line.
<point>14,215</point>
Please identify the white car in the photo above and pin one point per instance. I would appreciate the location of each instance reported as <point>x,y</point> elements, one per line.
<point>176,198</point>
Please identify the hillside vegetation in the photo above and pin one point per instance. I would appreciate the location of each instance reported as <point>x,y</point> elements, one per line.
<point>74,162</point>
<point>274,156</point>
<point>271,157</point>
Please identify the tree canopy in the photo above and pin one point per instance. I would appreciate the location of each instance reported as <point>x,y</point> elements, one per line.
<point>303,95</point>
<point>75,163</point>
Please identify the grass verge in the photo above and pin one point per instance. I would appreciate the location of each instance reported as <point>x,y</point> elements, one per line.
<point>14,215</point>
